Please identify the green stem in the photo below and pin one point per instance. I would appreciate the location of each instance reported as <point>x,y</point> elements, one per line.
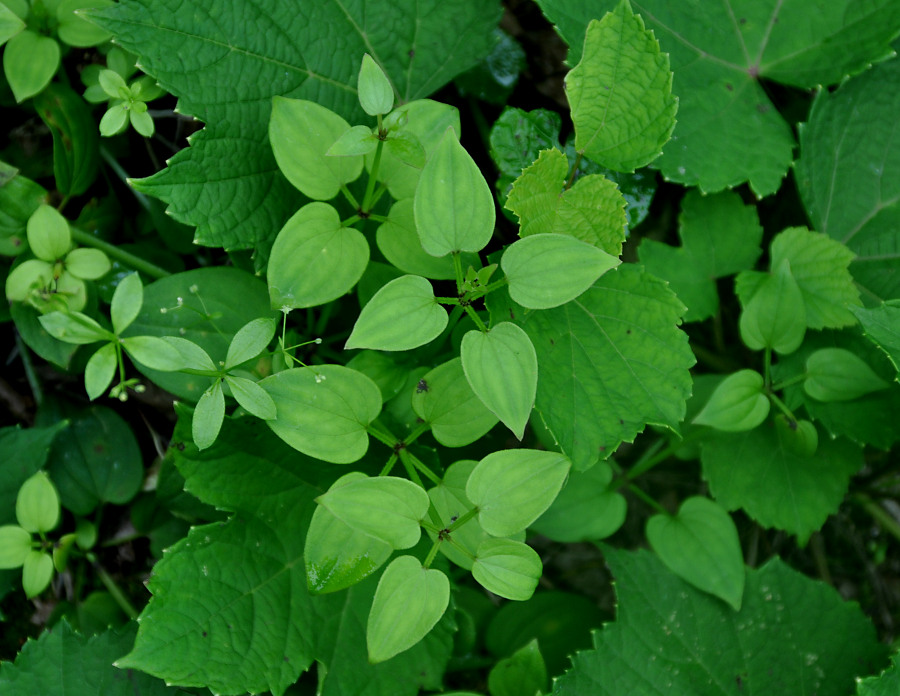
<point>420,465</point>
<point>33,382</point>
<point>474,315</point>
<point>349,196</point>
<point>647,499</point>
<point>789,382</point>
<point>350,220</point>
<point>448,300</point>
<point>111,250</point>
<point>782,407</point>
<point>416,432</point>
<point>114,590</point>
<point>767,368</point>
<point>460,521</point>
<point>571,180</point>
<point>373,175</point>
<point>390,465</point>
<point>888,523</point>
<point>375,430</point>
<point>431,554</point>
<point>457,267</point>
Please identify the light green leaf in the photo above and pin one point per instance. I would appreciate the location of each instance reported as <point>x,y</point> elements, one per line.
<point>791,631</point>
<point>626,364</point>
<point>620,93</point>
<point>444,400</point>
<point>301,132</point>
<point>157,353</point>
<point>114,121</point>
<point>386,507</point>
<point>15,545</point>
<point>87,264</point>
<point>511,488</point>
<point>406,148</point>
<point>251,397</point>
<point>381,369</point>
<point>450,500</point>
<point>227,183</point>
<point>48,234</point>
<point>522,673</point>
<point>376,95</point>
<point>700,544</point>
<point>882,327</point>
<point>29,62</point>
<point>775,315</point>
<point>548,270</point>
<point>738,403</point>
<point>846,172</point>
<point>359,140</point>
<point>502,369</point>
<point>127,301</point>
<point>193,357</point>
<point>835,374</point>
<point>454,208</point>
<point>800,491</point>
<point>592,210</point>
<point>719,236</point>
<point>507,568</point>
<point>208,416</point>
<point>140,120</point>
<point>253,338</point>
<point>819,265</point>
<point>100,370</point>
<point>10,24</point>
<point>799,437</point>
<point>324,412</point>
<point>314,259</point>
<point>74,327</point>
<point>408,603</point>
<point>402,315</point>
<point>336,555</point>
<point>37,504</point>
<point>585,509</point>
<point>37,572</point>
<point>76,31</point>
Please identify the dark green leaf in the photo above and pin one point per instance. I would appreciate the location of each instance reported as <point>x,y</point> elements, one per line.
<point>76,142</point>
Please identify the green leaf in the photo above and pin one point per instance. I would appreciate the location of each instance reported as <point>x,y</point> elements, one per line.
<point>37,504</point>
<point>76,144</point>
<point>511,488</point>
<point>792,634</point>
<point>376,95</point>
<point>800,491</point>
<point>301,132</point>
<point>406,148</point>
<point>251,397</point>
<point>585,509</point>
<point>20,197</point>
<point>620,93</point>
<point>381,369</point>
<point>835,374</point>
<point>10,24</point>
<point>444,400</point>
<point>100,370</point>
<point>387,508</point>
<point>517,138</point>
<point>626,364</point>
<point>315,259</point>
<point>359,140</point>
<point>700,544</point>
<point>845,173</point>
<point>29,62</point>
<point>799,437</point>
<point>48,234</point>
<point>501,367</point>
<point>76,31</point>
<point>548,270</point>
<point>114,121</point>
<point>87,264</point>
<point>155,353</point>
<point>450,500</point>
<point>74,327</point>
<point>522,673</point>
<point>507,568</point>
<point>127,301</point>
<point>886,684</point>
<point>882,327</point>
<point>719,237</point>
<point>252,339</point>
<point>336,555</point>
<point>774,316</point>
<point>819,265</point>
<point>15,545</point>
<point>192,356</point>
<point>227,183</point>
<point>324,412</point>
<point>454,208</point>
<point>208,416</point>
<point>408,603</point>
<point>739,403</point>
<point>24,452</point>
<point>592,210</point>
<point>403,315</point>
<point>37,572</point>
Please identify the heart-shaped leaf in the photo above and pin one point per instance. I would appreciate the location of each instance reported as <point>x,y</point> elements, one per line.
<point>836,374</point>
<point>737,404</point>
<point>507,568</point>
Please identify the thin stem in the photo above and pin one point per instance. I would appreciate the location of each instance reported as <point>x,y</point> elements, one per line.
<point>432,552</point>
<point>412,473</point>
<point>457,267</point>
<point>349,196</point>
<point>448,300</point>
<point>135,262</point>
<point>647,499</point>
<point>474,315</point>
<point>783,407</point>
<point>375,430</point>
<point>373,176</point>
<point>420,465</point>
<point>350,220</point>
<point>788,382</point>
<point>767,367</point>
<point>390,464</point>
<point>416,432</point>
<point>888,523</point>
<point>33,382</point>
<point>571,180</point>
<point>114,590</point>
<point>460,521</point>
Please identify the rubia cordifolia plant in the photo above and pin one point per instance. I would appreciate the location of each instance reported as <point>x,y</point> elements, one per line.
<point>405,366</point>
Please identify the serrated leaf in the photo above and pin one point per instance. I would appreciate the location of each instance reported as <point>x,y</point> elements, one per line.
<point>386,507</point>
<point>315,259</point>
<point>738,403</point>
<point>251,340</point>
<point>592,210</point>
<point>126,302</point>
<point>402,315</point>
<point>208,416</point>
<point>507,568</point>
<point>408,603</point>
<point>227,183</point>
<point>453,206</point>
<point>626,364</point>
<point>835,374</point>
<point>585,509</point>
<point>324,412</point>
<point>882,327</point>
<point>774,316</point>
<point>620,93</point>
<point>700,544</point>
<point>719,237</point>
<point>100,370</point>
<point>501,367</point>
<point>728,129</point>
<point>800,491</point>
<point>548,270</point>
<point>251,397</point>
<point>885,684</point>
<point>792,635</point>
<point>819,265</point>
<point>444,400</point>
<point>511,488</point>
